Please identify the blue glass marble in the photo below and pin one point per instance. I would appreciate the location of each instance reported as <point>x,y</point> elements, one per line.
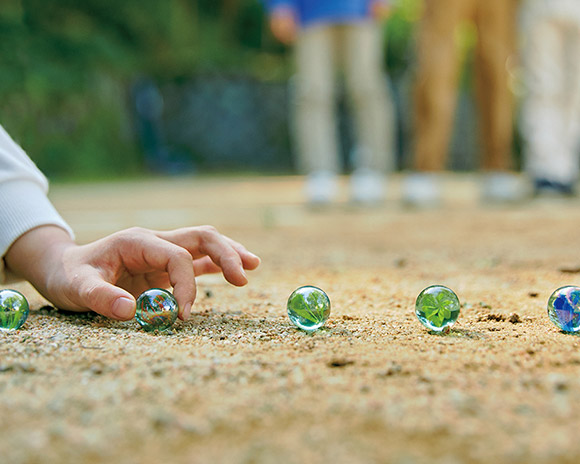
<point>13,310</point>
<point>437,308</point>
<point>156,310</point>
<point>564,308</point>
<point>308,308</point>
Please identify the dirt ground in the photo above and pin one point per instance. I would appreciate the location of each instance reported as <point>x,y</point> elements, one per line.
<point>238,384</point>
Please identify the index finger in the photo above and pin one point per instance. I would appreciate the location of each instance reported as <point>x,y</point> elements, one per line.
<point>153,253</point>
<point>231,257</point>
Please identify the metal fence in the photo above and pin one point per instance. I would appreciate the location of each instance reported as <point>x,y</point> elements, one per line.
<point>233,123</point>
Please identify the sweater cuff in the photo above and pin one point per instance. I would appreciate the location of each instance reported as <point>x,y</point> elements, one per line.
<point>23,207</point>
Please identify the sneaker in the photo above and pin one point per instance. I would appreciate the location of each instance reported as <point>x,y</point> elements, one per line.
<point>502,187</point>
<point>321,187</point>
<point>422,190</point>
<point>551,188</point>
<point>367,187</point>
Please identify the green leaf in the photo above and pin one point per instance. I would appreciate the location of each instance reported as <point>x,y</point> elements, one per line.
<point>300,307</point>
<point>437,320</point>
<point>430,311</point>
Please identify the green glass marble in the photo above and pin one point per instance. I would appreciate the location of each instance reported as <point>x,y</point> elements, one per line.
<point>13,310</point>
<point>308,308</point>
<point>437,308</point>
<point>156,310</point>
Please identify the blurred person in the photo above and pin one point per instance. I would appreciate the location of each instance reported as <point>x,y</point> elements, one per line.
<point>438,69</point>
<point>326,33</point>
<point>105,276</point>
<point>551,109</point>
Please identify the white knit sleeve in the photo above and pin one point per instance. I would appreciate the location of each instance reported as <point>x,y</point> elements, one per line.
<point>23,201</point>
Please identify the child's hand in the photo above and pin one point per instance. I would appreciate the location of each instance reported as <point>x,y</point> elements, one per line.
<point>105,276</point>
<point>283,25</point>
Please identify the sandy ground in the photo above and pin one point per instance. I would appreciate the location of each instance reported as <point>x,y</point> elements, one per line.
<point>238,384</point>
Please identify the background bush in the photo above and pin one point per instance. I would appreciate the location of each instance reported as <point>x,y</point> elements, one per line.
<point>69,68</point>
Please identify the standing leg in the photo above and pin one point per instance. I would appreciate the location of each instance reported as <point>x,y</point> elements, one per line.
<point>372,108</point>
<point>496,21</point>
<point>572,68</point>
<point>315,116</point>
<point>315,101</point>
<point>495,52</point>
<point>436,82</point>
<point>435,97</point>
<point>369,95</point>
<point>544,123</point>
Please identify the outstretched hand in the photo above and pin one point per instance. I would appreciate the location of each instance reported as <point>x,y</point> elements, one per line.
<point>283,25</point>
<point>107,275</point>
<point>381,10</point>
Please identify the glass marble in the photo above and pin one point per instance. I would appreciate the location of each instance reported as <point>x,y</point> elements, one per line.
<point>13,310</point>
<point>308,308</point>
<point>564,308</point>
<point>156,310</point>
<point>437,308</point>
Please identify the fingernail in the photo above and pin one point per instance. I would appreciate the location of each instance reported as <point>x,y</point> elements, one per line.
<point>123,308</point>
<point>187,311</point>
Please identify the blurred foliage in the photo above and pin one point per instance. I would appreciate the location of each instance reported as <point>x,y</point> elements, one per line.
<point>68,67</point>
<point>399,36</point>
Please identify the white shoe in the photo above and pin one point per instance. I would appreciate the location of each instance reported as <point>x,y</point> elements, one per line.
<point>422,190</point>
<point>502,187</point>
<point>367,187</point>
<point>321,187</point>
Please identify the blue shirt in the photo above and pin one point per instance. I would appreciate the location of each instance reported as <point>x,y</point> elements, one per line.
<point>333,11</point>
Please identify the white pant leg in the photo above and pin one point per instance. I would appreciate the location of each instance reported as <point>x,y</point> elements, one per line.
<point>370,99</point>
<point>547,110</point>
<point>572,102</point>
<point>315,111</point>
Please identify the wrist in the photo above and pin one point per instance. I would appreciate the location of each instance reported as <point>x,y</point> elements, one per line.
<point>32,254</point>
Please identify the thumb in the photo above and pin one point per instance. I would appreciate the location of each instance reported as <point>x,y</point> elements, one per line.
<point>107,299</point>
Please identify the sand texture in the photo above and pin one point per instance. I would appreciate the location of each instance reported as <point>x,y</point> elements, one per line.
<point>238,384</point>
